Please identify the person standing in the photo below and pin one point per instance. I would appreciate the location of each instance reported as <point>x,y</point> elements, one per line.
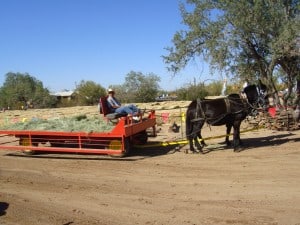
<point>297,101</point>
<point>243,94</point>
<point>297,97</point>
<point>224,87</point>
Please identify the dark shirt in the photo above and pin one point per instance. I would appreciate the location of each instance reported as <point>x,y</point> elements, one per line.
<point>112,102</point>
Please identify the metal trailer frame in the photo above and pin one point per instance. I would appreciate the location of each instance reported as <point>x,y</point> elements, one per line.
<point>115,143</point>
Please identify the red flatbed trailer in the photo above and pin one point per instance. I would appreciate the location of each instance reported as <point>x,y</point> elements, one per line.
<point>117,142</point>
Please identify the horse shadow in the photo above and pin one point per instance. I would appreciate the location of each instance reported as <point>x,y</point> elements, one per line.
<point>254,142</point>
<point>3,208</point>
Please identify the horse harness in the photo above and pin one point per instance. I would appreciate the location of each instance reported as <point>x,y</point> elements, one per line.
<point>198,117</point>
<point>202,115</point>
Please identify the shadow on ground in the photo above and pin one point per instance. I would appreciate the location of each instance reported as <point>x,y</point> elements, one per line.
<point>142,152</point>
<point>255,142</point>
<point>135,154</point>
<point>3,208</point>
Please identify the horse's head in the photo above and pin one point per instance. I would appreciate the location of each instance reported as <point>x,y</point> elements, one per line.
<point>257,96</point>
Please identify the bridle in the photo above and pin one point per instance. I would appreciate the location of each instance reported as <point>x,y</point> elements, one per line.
<point>259,103</point>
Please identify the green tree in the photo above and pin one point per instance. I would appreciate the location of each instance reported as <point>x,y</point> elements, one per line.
<point>88,93</point>
<point>246,38</point>
<point>140,87</point>
<point>214,88</point>
<point>22,90</point>
<point>191,92</point>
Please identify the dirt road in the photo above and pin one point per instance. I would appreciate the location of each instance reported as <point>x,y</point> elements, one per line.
<point>161,185</point>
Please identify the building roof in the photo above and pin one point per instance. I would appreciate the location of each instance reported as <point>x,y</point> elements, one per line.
<point>65,93</point>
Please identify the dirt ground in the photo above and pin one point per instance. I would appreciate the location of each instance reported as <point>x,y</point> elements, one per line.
<point>158,185</point>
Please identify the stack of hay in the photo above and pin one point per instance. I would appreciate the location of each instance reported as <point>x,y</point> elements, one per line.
<point>80,123</point>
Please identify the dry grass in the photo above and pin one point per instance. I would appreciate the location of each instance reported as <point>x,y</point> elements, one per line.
<point>66,119</point>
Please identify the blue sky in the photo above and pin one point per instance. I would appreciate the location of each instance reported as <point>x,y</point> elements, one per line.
<point>61,42</point>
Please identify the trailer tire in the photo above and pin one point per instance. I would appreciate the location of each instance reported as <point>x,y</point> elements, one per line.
<point>127,146</point>
<point>24,141</point>
<point>140,138</point>
<point>53,144</point>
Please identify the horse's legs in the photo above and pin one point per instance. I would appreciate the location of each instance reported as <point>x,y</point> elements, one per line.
<point>194,137</point>
<point>194,140</point>
<point>193,131</point>
<point>228,130</point>
<point>236,136</point>
<point>197,144</point>
<point>198,128</point>
<point>190,133</point>
<point>190,138</point>
<point>201,139</point>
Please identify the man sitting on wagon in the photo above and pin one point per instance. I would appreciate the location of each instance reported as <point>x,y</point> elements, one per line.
<point>116,107</point>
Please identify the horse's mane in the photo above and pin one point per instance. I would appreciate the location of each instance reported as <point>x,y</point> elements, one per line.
<point>250,87</point>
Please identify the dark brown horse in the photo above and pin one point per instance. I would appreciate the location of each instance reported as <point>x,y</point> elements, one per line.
<point>230,111</point>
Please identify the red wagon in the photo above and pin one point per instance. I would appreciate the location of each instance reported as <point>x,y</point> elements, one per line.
<point>117,142</point>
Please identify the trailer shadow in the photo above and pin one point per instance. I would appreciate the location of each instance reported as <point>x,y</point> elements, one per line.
<point>136,153</point>
<point>155,149</point>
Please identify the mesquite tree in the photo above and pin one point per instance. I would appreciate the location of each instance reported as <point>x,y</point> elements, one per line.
<point>249,39</point>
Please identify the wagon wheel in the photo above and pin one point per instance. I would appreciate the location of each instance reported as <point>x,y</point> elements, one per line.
<point>117,144</point>
<point>140,138</point>
<point>25,141</point>
<point>54,144</point>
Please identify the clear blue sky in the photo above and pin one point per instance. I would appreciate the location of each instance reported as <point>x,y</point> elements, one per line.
<point>61,42</point>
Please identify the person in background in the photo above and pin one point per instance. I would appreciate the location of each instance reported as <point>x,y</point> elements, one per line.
<point>297,97</point>
<point>224,87</point>
<point>115,105</point>
<point>246,83</point>
<point>281,95</point>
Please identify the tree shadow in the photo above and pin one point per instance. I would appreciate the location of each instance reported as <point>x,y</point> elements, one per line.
<point>273,140</point>
<point>3,208</point>
<point>256,142</point>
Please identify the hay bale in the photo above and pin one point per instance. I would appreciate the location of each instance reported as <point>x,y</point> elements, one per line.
<point>68,124</point>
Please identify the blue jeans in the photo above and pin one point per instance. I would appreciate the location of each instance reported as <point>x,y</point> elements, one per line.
<point>129,109</point>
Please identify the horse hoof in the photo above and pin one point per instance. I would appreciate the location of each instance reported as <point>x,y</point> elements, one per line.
<point>199,150</point>
<point>237,150</point>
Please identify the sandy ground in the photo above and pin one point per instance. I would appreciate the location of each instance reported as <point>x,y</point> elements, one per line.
<point>158,185</point>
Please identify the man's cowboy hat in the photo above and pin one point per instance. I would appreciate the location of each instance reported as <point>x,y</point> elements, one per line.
<point>110,90</point>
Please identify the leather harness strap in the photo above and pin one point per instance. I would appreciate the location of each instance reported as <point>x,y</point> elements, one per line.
<point>227,103</point>
<point>199,109</point>
<point>202,116</point>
